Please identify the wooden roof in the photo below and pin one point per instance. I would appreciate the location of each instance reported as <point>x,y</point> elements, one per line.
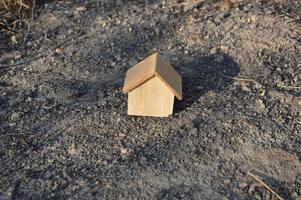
<point>152,66</point>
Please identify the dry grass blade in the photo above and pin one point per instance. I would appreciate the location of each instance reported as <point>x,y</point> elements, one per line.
<point>186,3</point>
<point>265,185</point>
<point>13,11</point>
<point>290,87</point>
<point>15,5</point>
<point>239,79</point>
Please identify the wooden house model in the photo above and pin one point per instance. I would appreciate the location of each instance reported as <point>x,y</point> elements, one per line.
<point>151,86</point>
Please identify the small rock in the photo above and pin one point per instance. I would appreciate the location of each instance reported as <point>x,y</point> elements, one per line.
<point>258,85</point>
<point>245,88</point>
<point>260,104</point>
<point>81,9</point>
<point>217,20</point>
<point>224,48</point>
<point>118,57</point>
<point>29,99</point>
<point>15,116</point>
<point>124,152</point>
<point>113,64</point>
<point>14,39</point>
<point>242,185</point>
<point>193,131</point>
<point>100,94</point>
<point>227,181</point>
<point>225,5</point>
<point>213,50</point>
<point>58,51</point>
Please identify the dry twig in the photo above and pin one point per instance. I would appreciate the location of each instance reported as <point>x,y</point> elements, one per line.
<point>239,79</point>
<point>265,185</point>
<point>31,20</point>
<point>12,12</point>
<point>289,87</point>
<point>185,3</point>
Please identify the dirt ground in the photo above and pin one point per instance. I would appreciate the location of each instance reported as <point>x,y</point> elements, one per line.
<point>64,130</point>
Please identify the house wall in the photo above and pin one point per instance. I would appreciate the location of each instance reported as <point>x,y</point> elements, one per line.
<point>152,98</point>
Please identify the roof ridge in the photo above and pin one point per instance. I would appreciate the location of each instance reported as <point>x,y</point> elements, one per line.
<point>154,65</point>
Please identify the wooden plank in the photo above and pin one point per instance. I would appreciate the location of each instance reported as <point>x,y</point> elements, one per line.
<point>169,76</point>
<point>139,73</point>
<point>152,98</point>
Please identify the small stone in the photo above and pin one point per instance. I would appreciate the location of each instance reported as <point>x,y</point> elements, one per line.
<point>15,116</point>
<point>224,48</point>
<point>29,99</point>
<point>193,131</point>
<point>14,39</point>
<point>213,50</point>
<point>124,151</point>
<point>113,64</point>
<point>100,94</point>
<point>118,57</point>
<point>258,85</point>
<point>217,20</point>
<point>81,9</point>
<point>227,181</point>
<point>58,51</point>
<point>225,5</point>
<point>242,185</point>
<point>260,104</point>
<point>245,88</point>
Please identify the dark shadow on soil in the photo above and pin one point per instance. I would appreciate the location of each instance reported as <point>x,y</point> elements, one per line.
<point>202,74</point>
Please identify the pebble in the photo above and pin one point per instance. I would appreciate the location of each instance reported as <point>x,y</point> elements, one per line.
<point>81,9</point>
<point>242,185</point>
<point>258,85</point>
<point>260,104</point>
<point>213,50</point>
<point>227,181</point>
<point>193,131</point>
<point>100,94</point>
<point>15,116</point>
<point>245,88</point>
<point>224,48</point>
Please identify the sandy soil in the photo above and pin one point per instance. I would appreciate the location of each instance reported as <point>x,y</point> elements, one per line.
<point>64,131</point>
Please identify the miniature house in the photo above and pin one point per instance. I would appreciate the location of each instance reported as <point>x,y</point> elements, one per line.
<point>152,85</point>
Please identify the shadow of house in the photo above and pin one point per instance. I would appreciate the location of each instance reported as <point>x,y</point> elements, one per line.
<point>202,74</point>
